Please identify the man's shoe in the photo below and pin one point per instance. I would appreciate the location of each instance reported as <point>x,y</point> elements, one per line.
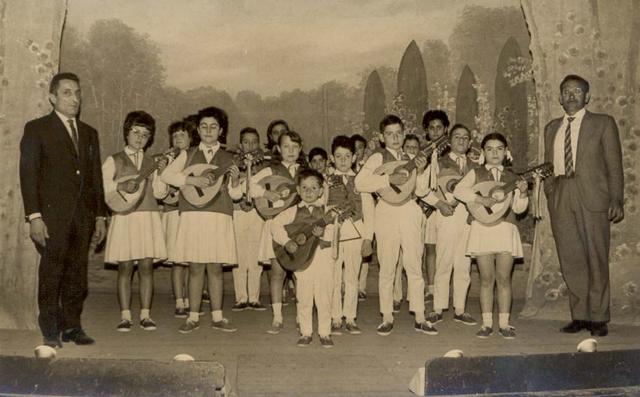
<point>484,332</point>
<point>181,312</point>
<point>326,342</point>
<point>574,327</point>
<point>396,306</point>
<point>124,325</point>
<point>239,306</point>
<point>336,328</point>
<point>385,328</point>
<point>465,318</point>
<point>599,328</point>
<point>304,341</point>
<point>148,324</point>
<point>257,306</point>
<point>508,332</point>
<point>224,325</point>
<point>189,326</point>
<point>78,336</point>
<point>353,329</point>
<point>434,317</point>
<point>362,296</point>
<point>426,328</point>
<point>52,342</point>
<point>275,329</point>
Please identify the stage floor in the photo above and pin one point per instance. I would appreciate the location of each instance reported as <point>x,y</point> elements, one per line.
<point>259,364</point>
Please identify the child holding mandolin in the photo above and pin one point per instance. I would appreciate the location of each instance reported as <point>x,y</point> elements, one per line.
<point>494,245</point>
<point>135,234</point>
<point>205,237</point>
<point>398,227</point>
<point>314,283</point>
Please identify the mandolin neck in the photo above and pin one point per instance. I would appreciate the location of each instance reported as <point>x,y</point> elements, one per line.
<point>426,152</point>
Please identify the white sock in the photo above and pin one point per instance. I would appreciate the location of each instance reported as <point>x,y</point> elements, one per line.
<point>125,315</point>
<point>503,320</point>
<point>180,303</point>
<point>194,317</point>
<point>186,302</point>
<point>387,317</point>
<point>277,312</point>
<point>459,312</point>
<point>350,320</point>
<point>420,317</point>
<point>430,289</point>
<point>144,313</point>
<point>487,320</point>
<point>216,315</point>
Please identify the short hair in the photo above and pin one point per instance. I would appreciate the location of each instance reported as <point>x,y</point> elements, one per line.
<point>494,136</point>
<point>574,77</point>
<point>221,117</point>
<point>411,137</point>
<point>249,130</point>
<point>294,136</point>
<point>390,119</point>
<point>345,142</point>
<point>270,141</point>
<point>318,151</point>
<point>55,80</point>
<point>306,173</point>
<point>139,118</point>
<point>459,125</point>
<point>358,138</point>
<point>431,115</point>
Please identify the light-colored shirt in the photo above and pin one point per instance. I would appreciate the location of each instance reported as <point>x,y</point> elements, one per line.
<point>368,205</point>
<point>286,217</point>
<point>109,171</point>
<point>65,122</point>
<point>465,193</point>
<point>558,142</point>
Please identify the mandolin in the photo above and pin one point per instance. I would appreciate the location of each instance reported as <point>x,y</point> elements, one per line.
<point>400,194</point>
<point>502,192</point>
<point>307,243</point>
<point>199,197</point>
<point>286,190</point>
<point>120,201</point>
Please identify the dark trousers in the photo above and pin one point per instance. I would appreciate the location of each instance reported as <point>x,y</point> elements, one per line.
<point>582,240</point>
<point>62,276</point>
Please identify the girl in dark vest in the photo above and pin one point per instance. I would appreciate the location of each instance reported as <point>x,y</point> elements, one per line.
<point>205,237</point>
<point>289,164</point>
<point>494,247</point>
<point>136,235</point>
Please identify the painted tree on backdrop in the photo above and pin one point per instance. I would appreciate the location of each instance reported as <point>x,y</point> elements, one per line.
<point>467,99</point>
<point>374,103</point>
<point>412,81</point>
<point>511,103</point>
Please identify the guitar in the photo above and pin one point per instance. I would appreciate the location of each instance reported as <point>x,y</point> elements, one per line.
<point>199,197</point>
<point>502,192</point>
<point>286,190</point>
<point>307,243</point>
<point>400,194</point>
<point>121,201</point>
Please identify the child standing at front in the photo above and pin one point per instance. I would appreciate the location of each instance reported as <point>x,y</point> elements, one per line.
<point>494,247</point>
<point>248,226</point>
<point>341,190</point>
<point>135,235</point>
<point>205,235</point>
<point>398,228</point>
<point>315,283</point>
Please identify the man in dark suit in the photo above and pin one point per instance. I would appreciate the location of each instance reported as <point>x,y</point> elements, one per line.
<point>584,195</point>
<point>61,182</point>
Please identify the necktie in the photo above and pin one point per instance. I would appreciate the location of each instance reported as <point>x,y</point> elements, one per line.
<point>460,162</point>
<point>568,153</point>
<point>74,133</point>
<point>136,159</point>
<point>496,174</point>
<point>292,169</point>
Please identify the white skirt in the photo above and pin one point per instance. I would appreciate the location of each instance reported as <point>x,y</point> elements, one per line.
<point>205,237</point>
<point>430,229</point>
<point>137,235</point>
<point>170,222</point>
<point>501,238</point>
<point>265,247</point>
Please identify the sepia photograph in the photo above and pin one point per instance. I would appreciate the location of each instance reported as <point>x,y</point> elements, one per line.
<point>270,198</point>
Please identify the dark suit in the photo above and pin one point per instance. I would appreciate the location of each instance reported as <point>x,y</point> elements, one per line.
<point>578,207</point>
<point>65,186</point>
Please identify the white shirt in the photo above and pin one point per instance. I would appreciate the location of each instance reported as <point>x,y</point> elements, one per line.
<point>286,217</point>
<point>465,193</point>
<point>368,205</point>
<point>558,142</point>
<point>65,122</point>
<point>109,171</point>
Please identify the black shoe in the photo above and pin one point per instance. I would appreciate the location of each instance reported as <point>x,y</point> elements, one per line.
<point>52,342</point>
<point>78,336</point>
<point>574,327</point>
<point>599,328</point>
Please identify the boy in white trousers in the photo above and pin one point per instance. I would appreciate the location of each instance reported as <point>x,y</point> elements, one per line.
<point>398,228</point>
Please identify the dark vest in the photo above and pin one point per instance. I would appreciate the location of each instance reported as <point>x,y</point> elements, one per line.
<point>303,217</point>
<point>222,201</point>
<point>447,163</point>
<point>341,193</point>
<point>507,176</point>
<point>125,167</point>
<point>388,157</point>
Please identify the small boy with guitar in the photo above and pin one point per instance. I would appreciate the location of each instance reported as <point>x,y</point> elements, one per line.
<point>315,282</point>
<point>398,221</point>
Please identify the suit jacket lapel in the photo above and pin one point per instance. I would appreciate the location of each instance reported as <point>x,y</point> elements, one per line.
<point>553,132</point>
<point>62,135</point>
<point>582,138</point>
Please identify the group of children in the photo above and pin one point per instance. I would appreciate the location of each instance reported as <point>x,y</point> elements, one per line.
<point>199,240</point>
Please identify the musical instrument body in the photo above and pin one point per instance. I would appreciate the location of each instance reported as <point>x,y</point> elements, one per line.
<point>307,242</point>
<point>502,192</point>
<point>284,187</point>
<point>447,181</point>
<point>172,197</point>
<point>120,201</point>
<point>400,194</point>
